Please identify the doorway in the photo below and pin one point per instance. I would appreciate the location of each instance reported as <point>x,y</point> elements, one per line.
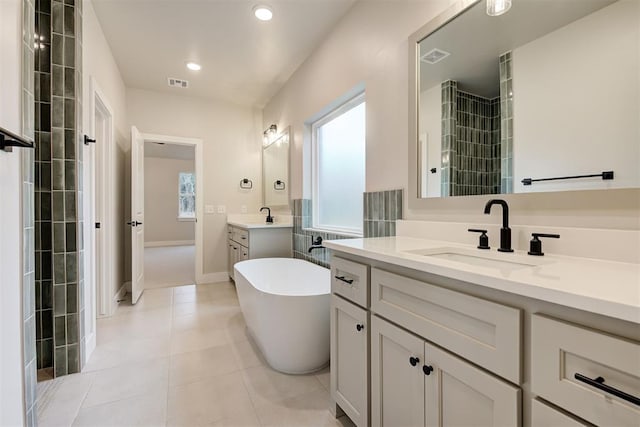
<point>170,214</point>
<point>99,215</point>
<point>166,212</point>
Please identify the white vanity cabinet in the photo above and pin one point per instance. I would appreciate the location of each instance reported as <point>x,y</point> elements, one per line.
<point>350,339</point>
<point>415,383</point>
<point>442,351</point>
<point>257,241</point>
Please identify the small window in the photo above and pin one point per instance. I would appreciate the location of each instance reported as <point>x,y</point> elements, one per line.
<point>338,178</point>
<point>186,195</point>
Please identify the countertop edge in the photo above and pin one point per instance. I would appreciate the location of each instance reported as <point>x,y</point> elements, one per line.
<point>603,307</point>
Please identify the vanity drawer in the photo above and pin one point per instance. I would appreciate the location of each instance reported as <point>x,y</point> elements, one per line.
<point>561,352</point>
<point>350,280</point>
<point>241,236</point>
<point>543,415</point>
<point>487,333</point>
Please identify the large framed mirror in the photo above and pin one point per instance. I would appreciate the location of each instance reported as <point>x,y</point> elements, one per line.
<point>275,171</point>
<point>543,98</point>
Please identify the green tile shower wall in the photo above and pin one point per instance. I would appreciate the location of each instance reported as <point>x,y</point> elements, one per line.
<point>477,152</point>
<point>28,217</point>
<point>58,279</point>
<point>381,210</point>
<point>506,123</point>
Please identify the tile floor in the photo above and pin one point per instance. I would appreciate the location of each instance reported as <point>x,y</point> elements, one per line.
<point>182,356</point>
<point>168,266</point>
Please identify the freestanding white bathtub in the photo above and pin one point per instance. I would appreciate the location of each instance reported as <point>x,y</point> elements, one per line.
<point>286,306</point>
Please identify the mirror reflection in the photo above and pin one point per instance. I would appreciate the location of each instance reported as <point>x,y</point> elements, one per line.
<point>275,169</point>
<point>532,100</point>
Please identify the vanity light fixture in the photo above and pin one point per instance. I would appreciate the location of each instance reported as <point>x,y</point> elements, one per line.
<point>269,134</point>
<point>263,13</point>
<point>498,7</point>
<point>193,66</point>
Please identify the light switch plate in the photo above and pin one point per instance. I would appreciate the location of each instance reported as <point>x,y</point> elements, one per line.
<point>209,209</point>
<point>222,209</point>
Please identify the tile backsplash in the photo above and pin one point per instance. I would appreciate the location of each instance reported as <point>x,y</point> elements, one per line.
<point>381,210</point>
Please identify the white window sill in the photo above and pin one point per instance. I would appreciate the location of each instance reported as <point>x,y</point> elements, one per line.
<point>339,233</point>
<point>186,219</point>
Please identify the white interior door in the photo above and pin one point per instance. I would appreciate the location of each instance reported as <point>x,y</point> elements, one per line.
<point>137,215</point>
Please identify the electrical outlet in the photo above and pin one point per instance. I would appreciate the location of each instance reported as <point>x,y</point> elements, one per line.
<point>209,209</point>
<point>243,209</point>
<point>222,209</point>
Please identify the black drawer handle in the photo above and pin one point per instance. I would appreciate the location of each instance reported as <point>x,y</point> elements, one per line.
<point>414,361</point>
<point>359,327</point>
<point>427,369</point>
<point>342,278</point>
<point>599,384</point>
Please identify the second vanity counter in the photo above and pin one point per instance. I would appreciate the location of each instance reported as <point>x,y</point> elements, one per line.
<point>603,287</point>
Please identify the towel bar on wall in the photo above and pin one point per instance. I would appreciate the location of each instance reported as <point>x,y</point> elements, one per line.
<point>9,139</point>
<point>605,176</point>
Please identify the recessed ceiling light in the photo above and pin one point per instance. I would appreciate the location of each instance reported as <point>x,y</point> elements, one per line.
<point>263,13</point>
<point>193,66</point>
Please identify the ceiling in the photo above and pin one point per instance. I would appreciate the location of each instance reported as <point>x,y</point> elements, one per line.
<point>169,151</point>
<point>475,40</point>
<point>244,61</point>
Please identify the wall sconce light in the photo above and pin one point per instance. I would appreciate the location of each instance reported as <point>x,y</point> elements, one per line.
<point>269,134</point>
<point>498,7</point>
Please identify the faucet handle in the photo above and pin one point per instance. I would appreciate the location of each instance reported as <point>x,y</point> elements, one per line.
<point>535,245</point>
<point>483,242</point>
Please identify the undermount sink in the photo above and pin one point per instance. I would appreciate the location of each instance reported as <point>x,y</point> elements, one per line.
<point>498,260</point>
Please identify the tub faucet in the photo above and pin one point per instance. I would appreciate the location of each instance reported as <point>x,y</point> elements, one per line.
<point>505,231</point>
<point>269,217</point>
<point>316,244</point>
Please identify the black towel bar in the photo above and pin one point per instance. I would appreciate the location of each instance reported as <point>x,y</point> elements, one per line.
<point>605,176</point>
<point>9,139</point>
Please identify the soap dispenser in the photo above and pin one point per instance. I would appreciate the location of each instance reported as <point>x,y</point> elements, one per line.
<point>483,242</point>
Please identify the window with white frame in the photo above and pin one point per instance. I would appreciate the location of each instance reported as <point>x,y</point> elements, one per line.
<point>186,195</point>
<point>338,177</point>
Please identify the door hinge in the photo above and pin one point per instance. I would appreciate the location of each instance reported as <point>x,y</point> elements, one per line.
<point>98,225</point>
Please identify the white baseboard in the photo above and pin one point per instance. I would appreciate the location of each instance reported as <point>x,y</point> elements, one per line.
<point>221,276</point>
<point>169,243</point>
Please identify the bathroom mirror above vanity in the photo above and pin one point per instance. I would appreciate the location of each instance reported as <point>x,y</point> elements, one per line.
<point>528,101</point>
<point>275,170</point>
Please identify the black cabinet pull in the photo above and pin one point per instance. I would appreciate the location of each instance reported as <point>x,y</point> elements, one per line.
<point>414,361</point>
<point>427,369</point>
<point>343,279</point>
<point>599,384</point>
<point>359,327</point>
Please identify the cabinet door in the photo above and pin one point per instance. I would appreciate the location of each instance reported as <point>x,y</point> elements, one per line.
<point>349,364</point>
<point>459,394</point>
<point>243,253</point>
<point>397,386</point>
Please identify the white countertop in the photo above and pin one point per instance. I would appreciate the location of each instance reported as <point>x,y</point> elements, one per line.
<point>249,221</point>
<point>604,287</point>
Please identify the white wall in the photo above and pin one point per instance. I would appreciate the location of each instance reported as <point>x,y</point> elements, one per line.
<point>370,45</point>
<point>585,118</point>
<point>11,358</point>
<point>98,62</point>
<point>161,200</point>
<point>232,146</point>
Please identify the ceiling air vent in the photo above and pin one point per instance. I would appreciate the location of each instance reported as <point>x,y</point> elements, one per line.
<point>434,56</point>
<point>178,83</point>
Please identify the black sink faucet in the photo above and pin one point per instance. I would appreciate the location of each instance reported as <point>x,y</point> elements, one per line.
<point>269,217</point>
<point>505,231</point>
